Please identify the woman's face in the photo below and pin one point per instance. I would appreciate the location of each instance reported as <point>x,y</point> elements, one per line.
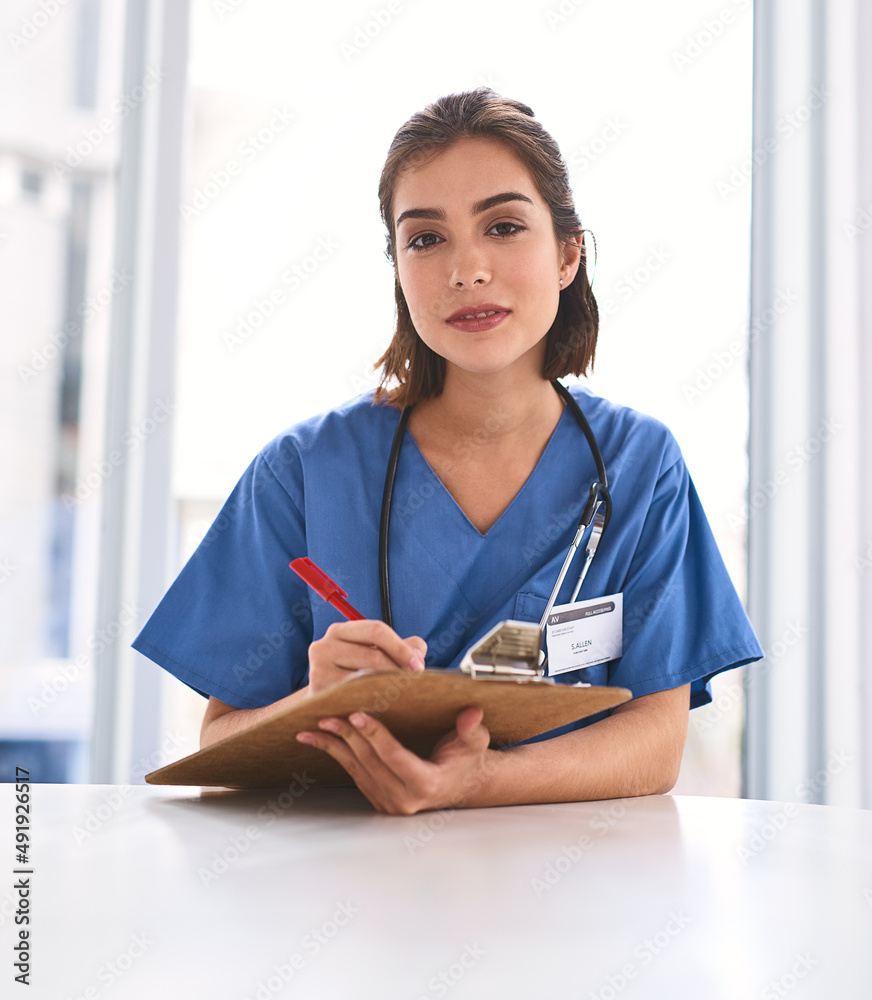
<point>474,235</point>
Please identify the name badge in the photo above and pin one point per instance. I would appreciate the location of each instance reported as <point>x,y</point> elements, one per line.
<point>585,633</point>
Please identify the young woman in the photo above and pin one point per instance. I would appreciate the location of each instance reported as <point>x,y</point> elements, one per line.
<point>493,470</point>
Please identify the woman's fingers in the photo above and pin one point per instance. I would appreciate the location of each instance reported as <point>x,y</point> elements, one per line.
<point>380,766</point>
<point>418,643</point>
<point>361,645</point>
<point>393,778</point>
<point>468,721</point>
<point>468,735</point>
<point>370,633</point>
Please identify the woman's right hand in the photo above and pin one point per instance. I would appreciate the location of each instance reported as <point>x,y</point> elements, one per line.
<point>361,645</point>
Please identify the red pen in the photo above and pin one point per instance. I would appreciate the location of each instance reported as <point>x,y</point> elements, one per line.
<point>325,587</point>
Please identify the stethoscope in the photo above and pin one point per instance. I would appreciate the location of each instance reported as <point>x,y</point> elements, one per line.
<point>598,510</point>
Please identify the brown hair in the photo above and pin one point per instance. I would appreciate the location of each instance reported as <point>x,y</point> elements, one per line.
<point>571,340</point>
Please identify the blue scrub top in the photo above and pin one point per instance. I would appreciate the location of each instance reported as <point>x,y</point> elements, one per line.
<point>237,622</point>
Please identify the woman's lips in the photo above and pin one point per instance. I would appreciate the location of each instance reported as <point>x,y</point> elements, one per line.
<point>477,325</point>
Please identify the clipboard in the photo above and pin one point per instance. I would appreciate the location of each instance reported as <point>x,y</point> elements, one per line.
<point>418,709</point>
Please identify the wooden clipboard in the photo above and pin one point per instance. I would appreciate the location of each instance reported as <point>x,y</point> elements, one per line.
<point>417,708</point>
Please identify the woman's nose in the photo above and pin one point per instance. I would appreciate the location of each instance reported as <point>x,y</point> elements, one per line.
<point>469,267</point>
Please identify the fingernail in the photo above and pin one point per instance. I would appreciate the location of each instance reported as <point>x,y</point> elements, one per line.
<point>357,720</point>
<point>304,738</point>
<point>417,663</point>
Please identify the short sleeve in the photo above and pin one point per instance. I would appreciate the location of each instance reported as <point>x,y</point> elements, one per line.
<point>683,620</point>
<point>236,623</point>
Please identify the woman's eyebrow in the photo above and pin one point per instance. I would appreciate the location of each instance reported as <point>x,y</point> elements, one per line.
<point>477,208</point>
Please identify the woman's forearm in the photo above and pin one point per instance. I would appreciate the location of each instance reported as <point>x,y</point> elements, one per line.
<point>635,751</point>
<point>222,720</point>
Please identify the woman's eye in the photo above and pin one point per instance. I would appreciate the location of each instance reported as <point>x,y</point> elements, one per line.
<point>424,241</point>
<point>514,228</point>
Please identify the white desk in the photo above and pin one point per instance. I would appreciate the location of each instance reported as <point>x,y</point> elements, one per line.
<point>626,898</point>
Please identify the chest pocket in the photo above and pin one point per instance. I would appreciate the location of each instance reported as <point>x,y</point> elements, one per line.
<point>530,608</point>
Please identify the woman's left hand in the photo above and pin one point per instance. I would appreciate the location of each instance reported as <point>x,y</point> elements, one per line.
<point>397,781</point>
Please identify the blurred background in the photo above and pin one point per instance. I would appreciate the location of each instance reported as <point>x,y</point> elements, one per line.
<point>191,259</point>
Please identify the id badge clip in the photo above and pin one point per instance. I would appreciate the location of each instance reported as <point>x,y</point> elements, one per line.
<point>510,650</point>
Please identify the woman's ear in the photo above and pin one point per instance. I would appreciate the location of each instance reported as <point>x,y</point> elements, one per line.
<point>570,259</point>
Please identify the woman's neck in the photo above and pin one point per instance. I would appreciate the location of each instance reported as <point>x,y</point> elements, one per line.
<point>497,408</point>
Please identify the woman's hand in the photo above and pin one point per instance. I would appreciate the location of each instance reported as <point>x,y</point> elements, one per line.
<point>399,782</point>
<point>361,645</point>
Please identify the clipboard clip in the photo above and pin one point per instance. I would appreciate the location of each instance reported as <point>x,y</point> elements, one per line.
<point>509,649</point>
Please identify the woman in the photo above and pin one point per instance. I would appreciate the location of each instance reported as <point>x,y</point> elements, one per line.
<point>493,303</point>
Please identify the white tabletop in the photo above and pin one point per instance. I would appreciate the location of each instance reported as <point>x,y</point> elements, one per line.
<point>173,893</point>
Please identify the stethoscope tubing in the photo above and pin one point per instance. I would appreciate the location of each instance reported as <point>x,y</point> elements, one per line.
<point>598,494</point>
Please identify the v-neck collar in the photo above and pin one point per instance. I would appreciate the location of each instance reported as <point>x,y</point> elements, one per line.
<point>492,530</point>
